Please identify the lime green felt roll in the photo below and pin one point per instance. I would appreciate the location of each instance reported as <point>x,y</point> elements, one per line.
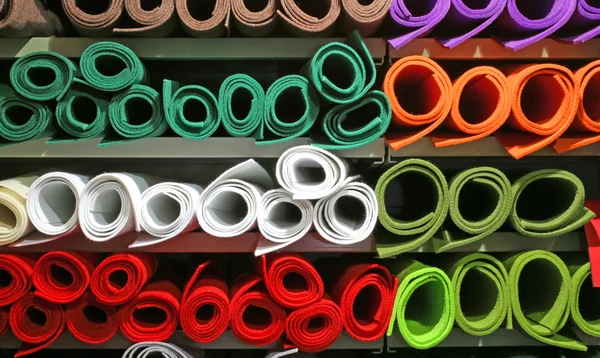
<point>584,300</point>
<point>22,119</point>
<point>111,67</point>
<point>548,203</point>
<point>480,200</point>
<point>539,284</point>
<point>424,305</point>
<point>412,199</point>
<point>241,105</point>
<point>191,111</point>
<point>42,76</point>
<point>83,112</point>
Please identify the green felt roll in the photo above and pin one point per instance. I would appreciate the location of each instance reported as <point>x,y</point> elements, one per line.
<point>191,111</point>
<point>241,105</point>
<point>424,305</point>
<point>342,72</point>
<point>539,283</point>
<point>83,112</point>
<point>291,109</point>
<point>22,119</point>
<point>548,203</point>
<point>43,76</point>
<point>352,125</point>
<point>584,300</point>
<point>479,286</point>
<point>480,200</point>
<point>111,67</point>
<point>412,199</point>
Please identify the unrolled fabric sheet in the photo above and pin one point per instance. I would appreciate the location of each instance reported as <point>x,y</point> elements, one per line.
<point>252,20</point>
<point>364,17</point>
<point>215,22</point>
<point>166,350</point>
<point>20,269</point>
<point>28,18</point>
<point>416,18</point>
<point>311,20</point>
<point>241,105</point>
<point>583,25</point>
<point>583,295</point>
<point>14,221</point>
<point>309,339</point>
<point>22,119</point>
<point>83,319</point>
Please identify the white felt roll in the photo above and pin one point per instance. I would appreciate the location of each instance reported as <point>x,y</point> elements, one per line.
<point>14,221</point>
<point>160,349</point>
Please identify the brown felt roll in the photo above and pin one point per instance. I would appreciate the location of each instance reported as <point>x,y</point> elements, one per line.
<point>251,18</point>
<point>363,18</point>
<point>200,19</point>
<point>160,21</point>
<point>308,18</point>
<point>27,18</point>
<point>93,18</point>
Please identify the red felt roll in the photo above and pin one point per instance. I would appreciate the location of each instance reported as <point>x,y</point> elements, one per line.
<point>365,294</point>
<point>291,280</point>
<point>63,276</point>
<point>15,276</point>
<point>255,318</point>
<point>153,314</point>
<point>120,277</point>
<point>90,321</point>
<point>36,322</point>
<point>314,328</point>
<point>3,320</point>
<point>204,313</point>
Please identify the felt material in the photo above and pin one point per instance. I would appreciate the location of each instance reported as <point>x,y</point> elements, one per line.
<point>480,106</point>
<point>160,349</point>
<point>43,75</point>
<point>342,72</point>
<point>90,321</point>
<point>364,17</point>
<point>20,269</point>
<point>138,319</point>
<point>93,21</point>
<point>548,203</point>
<point>247,293</point>
<point>583,295</point>
<point>216,21</point>
<point>28,18</point>
<point>250,22</point>
<point>291,109</point>
<point>274,268</point>
<point>159,21</point>
<point>480,200</point>
<point>185,123</point>
<point>420,94</point>
<point>416,19</point>
<point>538,282</point>
<point>96,67</point>
<point>544,103</point>
<point>415,187</point>
<point>205,291</point>
<point>3,320</point>
<point>235,93</point>
<point>314,339</point>
<point>464,20</point>
<point>524,23</point>
<point>22,119</point>
<point>302,22</point>
<point>36,322</point>
<point>479,286</point>
<point>370,117</point>
<point>424,305</point>
<point>121,276</point>
<point>583,25</point>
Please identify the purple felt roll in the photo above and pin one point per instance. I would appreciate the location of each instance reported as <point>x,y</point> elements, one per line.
<point>416,18</point>
<point>524,22</point>
<point>466,19</point>
<point>584,24</point>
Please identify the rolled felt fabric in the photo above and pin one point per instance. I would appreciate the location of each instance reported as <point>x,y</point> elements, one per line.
<point>480,106</point>
<point>3,320</point>
<point>191,111</point>
<point>93,19</point>
<point>291,109</point>
<point>548,203</point>
<point>152,349</point>
<point>90,321</point>
<point>544,103</point>
<point>14,221</point>
<point>83,112</point>
<point>480,201</point>
<point>314,339</point>
<point>309,19</point>
<point>29,19</point>
<point>63,276</point>
<point>583,25</point>
<point>420,94</point>
<point>158,20</point>
<point>538,282</point>
<point>36,322</point>
<point>204,312</point>
<point>364,17</point>
<point>52,202</point>
<point>583,295</point>
<point>524,23</point>
<point>120,277</point>
<point>203,20</point>
<point>310,173</point>
<point>241,105</point>
<point>19,268</point>
<point>416,18</point>
<point>413,203</point>
<point>255,19</point>
<point>111,67</point>
<point>303,284</point>
<point>424,305</point>
<point>22,119</point>
<point>42,75</point>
